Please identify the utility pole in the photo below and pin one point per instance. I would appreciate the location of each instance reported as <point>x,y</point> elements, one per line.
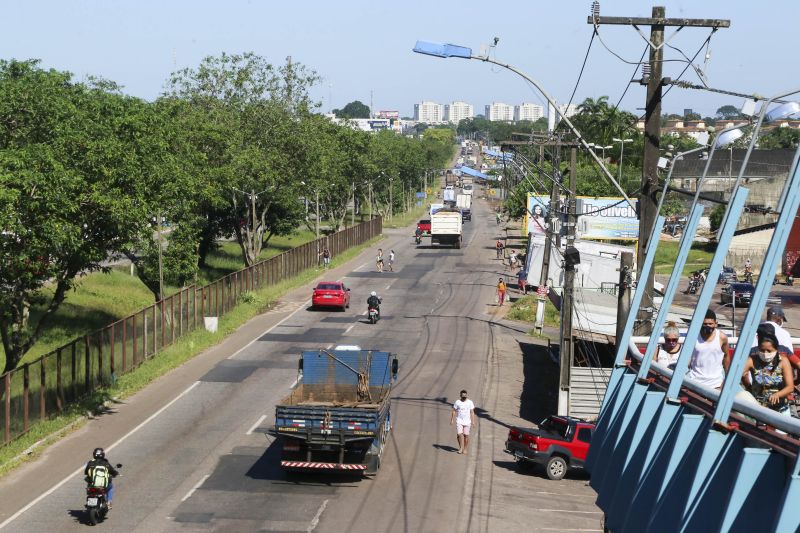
<point>316,203</point>
<point>353,212</point>
<point>648,201</point>
<point>624,293</point>
<point>552,214</point>
<point>567,349</point>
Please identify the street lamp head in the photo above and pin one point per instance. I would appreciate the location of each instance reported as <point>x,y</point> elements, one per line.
<point>727,138</point>
<point>783,111</point>
<point>429,48</point>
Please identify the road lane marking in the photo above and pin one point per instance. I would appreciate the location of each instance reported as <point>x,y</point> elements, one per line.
<point>315,521</point>
<point>196,486</point>
<point>348,329</point>
<point>290,315</point>
<point>258,423</point>
<point>296,381</point>
<point>58,485</point>
<point>388,287</point>
<point>328,347</point>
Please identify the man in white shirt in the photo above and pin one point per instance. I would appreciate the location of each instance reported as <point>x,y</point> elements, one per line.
<point>464,417</point>
<point>777,317</point>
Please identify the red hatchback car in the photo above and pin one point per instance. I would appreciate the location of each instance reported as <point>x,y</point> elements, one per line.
<point>331,294</point>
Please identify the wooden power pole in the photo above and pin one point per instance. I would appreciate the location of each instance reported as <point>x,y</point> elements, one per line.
<point>648,200</point>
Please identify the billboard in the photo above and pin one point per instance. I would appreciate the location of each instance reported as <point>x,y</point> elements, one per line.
<point>602,218</point>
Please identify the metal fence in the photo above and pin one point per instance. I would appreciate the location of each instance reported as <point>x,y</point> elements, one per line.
<point>44,387</point>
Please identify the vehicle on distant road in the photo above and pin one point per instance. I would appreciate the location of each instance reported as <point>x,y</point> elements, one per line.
<point>425,226</point>
<point>446,226</point>
<point>559,443</point>
<point>727,275</point>
<point>743,294</point>
<point>331,294</point>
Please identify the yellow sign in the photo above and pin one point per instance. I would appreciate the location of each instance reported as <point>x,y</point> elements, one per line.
<point>492,192</point>
<point>428,190</point>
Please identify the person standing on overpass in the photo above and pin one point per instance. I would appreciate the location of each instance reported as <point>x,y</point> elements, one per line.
<point>464,417</point>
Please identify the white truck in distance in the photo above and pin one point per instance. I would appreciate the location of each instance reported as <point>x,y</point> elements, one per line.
<point>446,227</point>
<point>464,202</point>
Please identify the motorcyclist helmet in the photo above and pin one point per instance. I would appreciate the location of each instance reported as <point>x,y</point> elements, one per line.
<point>99,453</point>
<point>373,293</point>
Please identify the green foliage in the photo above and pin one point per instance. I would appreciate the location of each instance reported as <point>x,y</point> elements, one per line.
<point>355,109</point>
<point>780,138</point>
<point>715,217</point>
<point>498,131</point>
<point>728,112</point>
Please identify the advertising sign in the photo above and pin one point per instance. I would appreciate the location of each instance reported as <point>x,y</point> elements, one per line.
<point>601,218</point>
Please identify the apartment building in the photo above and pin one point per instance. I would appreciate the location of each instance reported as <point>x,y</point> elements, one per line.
<point>500,112</point>
<point>528,111</point>
<point>458,111</point>
<point>429,112</point>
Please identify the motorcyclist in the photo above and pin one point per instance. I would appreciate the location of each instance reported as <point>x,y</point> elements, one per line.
<point>418,235</point>
<point>374,302</point>
<point>99,461</point>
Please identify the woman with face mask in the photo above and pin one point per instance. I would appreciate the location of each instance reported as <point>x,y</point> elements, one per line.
<point>769,375</point>
<point>667,354</point>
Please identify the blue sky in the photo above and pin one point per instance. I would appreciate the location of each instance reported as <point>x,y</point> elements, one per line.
<point>361,46</point>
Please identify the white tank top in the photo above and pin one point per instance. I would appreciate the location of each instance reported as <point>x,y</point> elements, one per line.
<point>706,364</point>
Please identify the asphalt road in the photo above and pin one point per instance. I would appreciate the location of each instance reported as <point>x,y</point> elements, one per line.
<point>205,461</point>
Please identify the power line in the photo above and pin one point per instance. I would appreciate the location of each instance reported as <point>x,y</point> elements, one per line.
<point>580,74</point>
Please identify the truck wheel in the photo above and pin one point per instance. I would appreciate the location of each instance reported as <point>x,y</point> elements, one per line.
<point>556,467</point>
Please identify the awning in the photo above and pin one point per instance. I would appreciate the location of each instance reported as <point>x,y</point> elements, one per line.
<point>498,155</point>
<point>475,174</point>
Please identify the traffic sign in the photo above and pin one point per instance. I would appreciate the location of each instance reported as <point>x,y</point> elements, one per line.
<point>428,190</point>
<point>542,290</point>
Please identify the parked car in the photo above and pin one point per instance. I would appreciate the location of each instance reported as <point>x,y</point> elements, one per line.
<point>727,275</point>
<point>425,225</point>
<point>331,294</point>
<point>560,443</point>
<point>744,294</point>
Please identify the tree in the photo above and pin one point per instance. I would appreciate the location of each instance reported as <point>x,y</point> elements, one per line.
<point>70,191</point>
<point>780,138</point>
<point>728,112</point>
<point>354,109</point>
<point>254,152</point>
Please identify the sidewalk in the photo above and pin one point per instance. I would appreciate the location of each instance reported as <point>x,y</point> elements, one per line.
<point>521,389</point>
<point>59,461</point>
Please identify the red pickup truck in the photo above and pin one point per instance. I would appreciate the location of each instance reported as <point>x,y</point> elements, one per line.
<point>424,225</point>
<point>560,443</point>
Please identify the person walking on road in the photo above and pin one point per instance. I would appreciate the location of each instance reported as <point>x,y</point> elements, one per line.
<point>326,258</point>
<point>501,292</point>
<point>499,247</point>
<point>463,416</point>
<point>379,260</point>
<point>391,261</point>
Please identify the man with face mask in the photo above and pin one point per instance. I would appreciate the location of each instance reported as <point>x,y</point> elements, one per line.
<point>711,356</point>
<point>463,415</point>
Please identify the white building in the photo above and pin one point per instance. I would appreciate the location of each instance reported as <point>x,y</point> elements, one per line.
<point>568,110</point>
<point>458,111</point>
<point>528,111</point>
<point>500,112</point>
<point>429,112</point>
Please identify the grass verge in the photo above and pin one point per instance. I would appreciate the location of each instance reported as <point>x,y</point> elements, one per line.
<point>404,219</point>
<point>699,257</point>
<point>33,443</point>
<point>524,310</point>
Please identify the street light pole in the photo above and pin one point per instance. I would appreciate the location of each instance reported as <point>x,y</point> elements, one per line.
<point>621,153</point>
<point>316,203</point>
<point>391,200</point>
<point>449,50</point>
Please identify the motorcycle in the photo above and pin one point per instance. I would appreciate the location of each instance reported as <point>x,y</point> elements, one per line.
<point>417,239</point>
<point>97,503</point>
<point>789,280</point>
<point>748,277</point>
<point>694,284</point>
<point>373,315</point>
